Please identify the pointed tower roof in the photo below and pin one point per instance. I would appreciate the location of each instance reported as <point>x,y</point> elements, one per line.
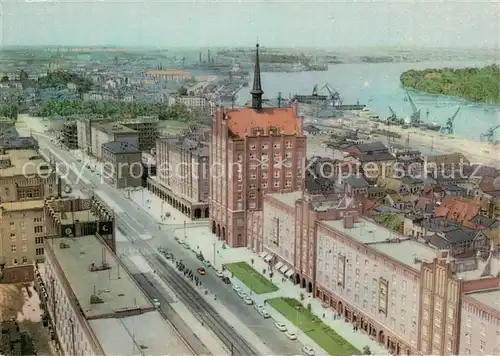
<point>257,86</point>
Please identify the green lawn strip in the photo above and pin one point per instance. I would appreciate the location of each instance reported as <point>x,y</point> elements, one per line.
<point>312,326</point>
<point>251,278</point>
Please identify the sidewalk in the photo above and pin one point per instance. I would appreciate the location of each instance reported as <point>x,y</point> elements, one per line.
<point>201,239</point>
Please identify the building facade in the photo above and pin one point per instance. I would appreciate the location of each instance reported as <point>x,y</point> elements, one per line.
<point>111,132</point>
<point>122,164</point>
<point>25,181</point>
<point>252,151</point>
<point>70,135</point>
<point>182,174</point>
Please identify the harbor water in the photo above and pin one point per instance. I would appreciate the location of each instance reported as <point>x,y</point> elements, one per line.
<point>377,86</point>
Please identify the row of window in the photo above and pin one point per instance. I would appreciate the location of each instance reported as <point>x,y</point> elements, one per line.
<point>276,146</point>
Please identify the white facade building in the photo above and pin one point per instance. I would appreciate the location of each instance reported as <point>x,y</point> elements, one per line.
<point>109,132</point>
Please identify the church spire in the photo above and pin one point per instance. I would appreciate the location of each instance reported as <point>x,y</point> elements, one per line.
<point>257,87</point>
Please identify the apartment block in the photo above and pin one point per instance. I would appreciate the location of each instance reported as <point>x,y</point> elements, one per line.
<point>412,297</point>
<point>182,173</point>
<point>122,165</point>
<point>70,135</point>
<point>25,181</point>
<point>111,132</point>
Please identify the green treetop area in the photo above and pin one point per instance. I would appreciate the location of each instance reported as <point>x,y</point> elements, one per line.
<point>475,84</point>
<point>177,112</point>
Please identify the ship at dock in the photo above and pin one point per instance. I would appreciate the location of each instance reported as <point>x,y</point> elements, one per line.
<point>332,100</point>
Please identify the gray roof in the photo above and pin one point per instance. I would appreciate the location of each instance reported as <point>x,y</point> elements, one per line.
<point>411,180</point>
<point>118,147</point>
<point>356,181</point>
<point>372,147</point>
<point>384,156</point>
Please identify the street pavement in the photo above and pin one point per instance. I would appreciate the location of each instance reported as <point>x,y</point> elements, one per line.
<point>200,239</point>
<point>263,334</point>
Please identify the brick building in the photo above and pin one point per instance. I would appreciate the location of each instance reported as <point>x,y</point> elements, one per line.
<point>253,151</point>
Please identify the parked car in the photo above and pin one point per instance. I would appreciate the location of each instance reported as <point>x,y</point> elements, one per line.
<point>291,335</point>
<point>202,271</point>
<point>186,246</point>
<point>248,300</point>
<point>156,302</point>
<point>226,280</point>
<point>265,313</point>
<point>219,274</point>
<point>308,350</point>
<point>242,294</point>
<point>259,307</point>
<point>177,239</point>
<point>236,288</point>
<point>280,326</point>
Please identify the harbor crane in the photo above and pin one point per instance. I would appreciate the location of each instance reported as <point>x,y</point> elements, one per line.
<point>393,119</point>
<point>334,95</point>
<point>415,116</point>
<point>315,90</point>
<point>489,135</point>
<point>449,123</point>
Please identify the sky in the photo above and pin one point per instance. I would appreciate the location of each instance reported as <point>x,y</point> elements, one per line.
<point>276,23</point>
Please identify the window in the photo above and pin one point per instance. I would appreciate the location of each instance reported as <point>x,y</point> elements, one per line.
<point>288,144</point>
<point>239,222</point>
<point>437,339</point>
<point>424,330</point>
<point>467,339</point>
<point>403,313</point>
<point>23,236</point>
<point>38,229</point>
<point>25,259</point>
<point>276,146</point>
<point>374,297</point>
<point>426,315</point>
<point>438,305</point>
<point>375,267</point>
<point>39,251</point>
<point>426,299</point>
<point>252,186</point>
<point>24,247</point>
<point>252,147</point>
<point>13,248</point>
<point>264,185</point>
<point>265,146</point>
<point>276,184</point>
<point>414,306</point>
<point>12,226</point>
<point>437,322</point>
<point>276,174</point>
<point>483,329</point>
<point>288,183</point>
<point>451,313</point>
<point>253,176</point>
<point>482,345</point>
<point>252,195</point>
<point>357,272</point>
<point>403,285</point>
<point>450,329</point>
<point>22,225</point>
<point>365,304</point>
<point>402,329</point>
<point>264,175</point>
<point>403,300</point>
<point>469,321</point>
<point>374,282</point>
<point>448,345</point>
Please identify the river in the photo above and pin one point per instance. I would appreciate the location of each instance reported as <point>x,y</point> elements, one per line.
<point>377,85</point>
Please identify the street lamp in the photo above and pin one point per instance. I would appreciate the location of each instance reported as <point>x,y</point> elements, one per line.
<point>297,324</point>
<point>215,246</point>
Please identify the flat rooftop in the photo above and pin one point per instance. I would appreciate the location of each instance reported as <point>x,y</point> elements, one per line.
<point>383,240</point>
<point>146,334</point>
<point>68,218</point>
<point>23,205</point>
<point>25,162</point>
<point>490,297</point>
<point>287,198</point>
<point>114,286</point>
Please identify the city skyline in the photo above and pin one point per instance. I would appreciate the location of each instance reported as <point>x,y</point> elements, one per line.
<point>238,24</point>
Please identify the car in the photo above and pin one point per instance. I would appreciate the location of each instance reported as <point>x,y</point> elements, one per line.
<point>242,294</point>
<point>156,302</point>
<point>291,335</point>
<point>226,280</point>
<point>248,300</point>
<point>219,274</point>
<point>258,307</point>
<point>79,160</point>
<point>236,288</point>
<point>265,313</point>
<point>280,326</point>
<point>186,246</point>
<point>207,263</point>
<point>202,271</point>
<point>308,350</point>
<point>177,239</point>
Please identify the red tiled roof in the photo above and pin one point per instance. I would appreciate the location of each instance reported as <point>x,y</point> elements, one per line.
<point>459,210</point>
<point>241,120</point>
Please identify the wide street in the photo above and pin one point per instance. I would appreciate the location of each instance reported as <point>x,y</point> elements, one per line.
<point>128,213</point>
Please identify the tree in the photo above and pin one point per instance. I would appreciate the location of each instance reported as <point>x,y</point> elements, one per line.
<point>366,350</point>
<point>4,79</point>
<point>177,111</point>
<point>182,91</point>
<point>309,307</point>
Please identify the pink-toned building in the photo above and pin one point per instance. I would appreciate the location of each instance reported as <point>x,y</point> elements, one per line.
<point>253,151</point>
<point>405,294</point>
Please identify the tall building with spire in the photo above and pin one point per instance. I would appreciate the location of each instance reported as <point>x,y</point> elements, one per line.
<point>253,151</point>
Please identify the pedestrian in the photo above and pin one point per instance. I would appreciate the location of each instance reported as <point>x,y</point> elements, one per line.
<point>323,315</point>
